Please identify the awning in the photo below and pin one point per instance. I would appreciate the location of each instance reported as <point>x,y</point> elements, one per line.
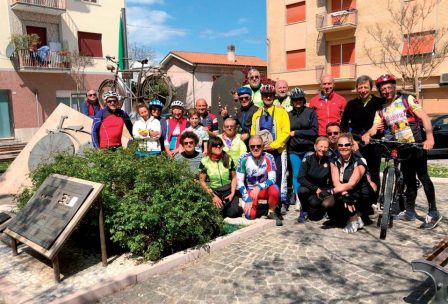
<point>418,43</point>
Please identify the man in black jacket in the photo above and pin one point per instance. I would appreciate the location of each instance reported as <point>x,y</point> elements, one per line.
<point>244,114</point>
<point>358,119</point>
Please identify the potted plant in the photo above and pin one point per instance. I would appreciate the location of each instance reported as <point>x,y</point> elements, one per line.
<point>22,44</point>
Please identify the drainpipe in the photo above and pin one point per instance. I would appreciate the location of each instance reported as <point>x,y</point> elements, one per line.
<point>194,91</point>
<point>37,107</point>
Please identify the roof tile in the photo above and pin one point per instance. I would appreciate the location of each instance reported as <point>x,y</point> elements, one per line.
<point>220,59</point>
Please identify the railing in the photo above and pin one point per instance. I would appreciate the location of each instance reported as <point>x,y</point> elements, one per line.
<point>338,71</point>
<point>335,20</point>
<point>52,60</point>
<point>58,4</point>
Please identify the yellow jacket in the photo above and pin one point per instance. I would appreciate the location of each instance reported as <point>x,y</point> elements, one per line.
<point>281,126</point>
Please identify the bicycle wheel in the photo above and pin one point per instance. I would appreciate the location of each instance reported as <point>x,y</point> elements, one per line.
<point>388,198</point>
<point>157,87</point>
<point>110,85</point>
<point>47,147</point>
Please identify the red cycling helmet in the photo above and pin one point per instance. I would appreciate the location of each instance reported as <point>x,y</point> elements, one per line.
<point>267,89</point>
<point>386,78</point>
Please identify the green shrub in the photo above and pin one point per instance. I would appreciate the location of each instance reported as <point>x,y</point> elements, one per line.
<point>153,205</point>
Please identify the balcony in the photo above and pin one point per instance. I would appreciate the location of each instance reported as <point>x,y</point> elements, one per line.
<point>340,72</point>
<point>50,61</point>
<point>49,7</point>
<point>337,21</point>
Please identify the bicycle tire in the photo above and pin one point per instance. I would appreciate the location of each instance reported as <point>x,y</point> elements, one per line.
<point>157,87</point>
<point>110,85</point>
<point>49,146</point>
<point>388,198</point>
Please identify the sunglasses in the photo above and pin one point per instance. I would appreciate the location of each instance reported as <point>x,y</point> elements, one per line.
<point>332,133</point>
<point>188,143</point>
<point>254,77</point>
<point>216,146</point>
<point>244,98</point>
<point>255,147</point>
<point>111,101</point>
<point>94,94</point>
<point>269,95</point>
<point>345,145</point>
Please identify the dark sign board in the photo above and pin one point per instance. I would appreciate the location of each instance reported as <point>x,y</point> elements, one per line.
<point>50,210</point>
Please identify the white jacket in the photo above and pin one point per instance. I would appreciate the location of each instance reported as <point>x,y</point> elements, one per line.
<point>147,143</point>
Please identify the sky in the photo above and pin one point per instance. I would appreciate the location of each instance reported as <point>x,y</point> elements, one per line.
<point>198,26</point>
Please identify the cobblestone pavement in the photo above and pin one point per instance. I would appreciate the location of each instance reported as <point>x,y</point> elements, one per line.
<point>304,264</point>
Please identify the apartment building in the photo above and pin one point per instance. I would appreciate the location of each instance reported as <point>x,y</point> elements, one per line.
<point>307,39</point>
<point>33,83</point>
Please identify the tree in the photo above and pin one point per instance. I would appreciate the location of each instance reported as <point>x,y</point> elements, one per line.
<point>78,65</point>
<point>139,52</point>
<point>413,46</point>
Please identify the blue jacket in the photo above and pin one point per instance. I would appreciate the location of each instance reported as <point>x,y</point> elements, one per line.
<point>85,108</point>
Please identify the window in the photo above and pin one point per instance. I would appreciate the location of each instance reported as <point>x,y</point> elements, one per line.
<point>340,5</point>
<point>418,43</point>
<point>89,44</point>
<point>39,31</point>
<point>296,59</point>
<point>295,12</point>
<point>342,55</point>
<point>91,1</point>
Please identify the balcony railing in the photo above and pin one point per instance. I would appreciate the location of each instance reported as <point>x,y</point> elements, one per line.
<point>337,21</point>
<point>40,60</point>
<point>340,72</point>
<point>52,7</point>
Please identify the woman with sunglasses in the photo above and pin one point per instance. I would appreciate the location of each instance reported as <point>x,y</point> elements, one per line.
<point>189,141</point>
<point>155,110</point>
<point>352,190</point>
<point>219,169</point>
<point>91,104</point>
<point>314,178</point>
<point>303,125</point>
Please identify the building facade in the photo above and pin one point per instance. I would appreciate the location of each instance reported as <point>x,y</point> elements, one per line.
<point>307,39</point>
<point>33,81</point>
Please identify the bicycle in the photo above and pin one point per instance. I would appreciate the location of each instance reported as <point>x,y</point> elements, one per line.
<point>392,197</point>
<point>152,83</point>
<point>60,140</point>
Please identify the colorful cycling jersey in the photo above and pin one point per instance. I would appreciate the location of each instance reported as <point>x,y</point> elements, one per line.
<point>252,172</point>
<point>210,121</point>
<point>397,118</point>
<point>217,173</point>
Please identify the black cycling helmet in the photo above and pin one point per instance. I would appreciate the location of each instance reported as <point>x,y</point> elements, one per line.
<point>297,93</point>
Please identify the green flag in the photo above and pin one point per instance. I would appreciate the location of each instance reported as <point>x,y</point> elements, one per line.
<point>120,45</point>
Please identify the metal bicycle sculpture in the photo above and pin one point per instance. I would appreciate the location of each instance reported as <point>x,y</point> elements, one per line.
<point>63,140</point>
<point>152,83</point>
<point>392,192</point>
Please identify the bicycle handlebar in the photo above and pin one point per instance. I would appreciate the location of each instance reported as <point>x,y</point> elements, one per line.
<point>395,144</point>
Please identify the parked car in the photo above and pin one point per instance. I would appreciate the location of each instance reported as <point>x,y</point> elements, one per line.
<point>440,130</point>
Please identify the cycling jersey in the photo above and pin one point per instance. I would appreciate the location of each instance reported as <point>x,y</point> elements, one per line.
<point>217,173</point>
<point>252,172</point>
<point>210,121</point>
<point>256,96</point>
<point>328,109</point>
<point>107,128</point>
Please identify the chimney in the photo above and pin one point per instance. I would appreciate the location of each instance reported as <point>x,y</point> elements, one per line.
<point>231,57</point>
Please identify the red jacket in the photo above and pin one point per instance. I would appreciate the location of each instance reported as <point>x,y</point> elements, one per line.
<point>327,110</point>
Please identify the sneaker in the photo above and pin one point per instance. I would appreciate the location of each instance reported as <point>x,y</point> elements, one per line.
<point>302,217</point>
<point>353,226</point>
<point>431,222</point>
<point>406,216</point>
<point>274,216</point>
<point>360,223</point>
<point>284,209</point>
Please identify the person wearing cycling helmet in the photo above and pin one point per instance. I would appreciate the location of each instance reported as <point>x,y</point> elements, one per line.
<point>107,127</point>
<point>327,104</point>
<point>244,114</point>
<point>358,119</point>
<point>272,124</point>
<point>155,109</point>
<point>254,79</point>
<point>408,122</point>
<point>176,125</point>
<point>281,95</point>
<point>303,125</point>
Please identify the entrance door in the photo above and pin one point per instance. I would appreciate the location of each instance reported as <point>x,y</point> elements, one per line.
<point>341,54</point>
<point>5,115</point>
<point>39,31</point>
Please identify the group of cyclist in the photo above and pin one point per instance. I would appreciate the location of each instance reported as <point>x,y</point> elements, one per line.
<point>324,146</point>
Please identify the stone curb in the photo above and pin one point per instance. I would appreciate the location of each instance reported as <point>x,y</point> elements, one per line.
<point>143,272</point>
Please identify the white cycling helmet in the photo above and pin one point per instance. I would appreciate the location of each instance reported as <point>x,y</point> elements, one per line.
<point>109,94</point>
<point>177,103</point>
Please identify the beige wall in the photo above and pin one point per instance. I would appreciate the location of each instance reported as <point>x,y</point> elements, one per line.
<point>283,37</point>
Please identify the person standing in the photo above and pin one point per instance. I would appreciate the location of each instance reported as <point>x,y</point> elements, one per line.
<point>328,104</point>
<point>175,127</point>
<point>107,127</point>
<point>281,95</point>
<point>91,104</point>
<point>208,120</point>
<point>273,122</point>
<point>193,118</point>
<point>358,119</point>
<point>155,109</point>
<point>303,125</point>
<point>146,130</point>
<point>254,79</point>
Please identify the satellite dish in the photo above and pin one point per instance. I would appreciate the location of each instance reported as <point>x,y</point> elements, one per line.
<point>10,50</point>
